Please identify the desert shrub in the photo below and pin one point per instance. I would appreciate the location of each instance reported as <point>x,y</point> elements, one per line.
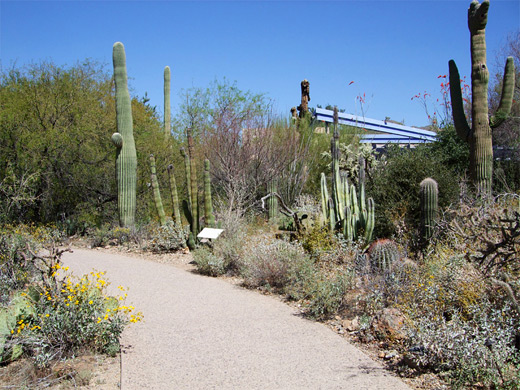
<point>324,295</point>
<point>317,240</point>
<point>271,263</point>
<point>208,263</point>
<point>58,315</point>
<point>167,238</point>
<point>15,271</point>
<point>395,188</point>
<point>481,350</point>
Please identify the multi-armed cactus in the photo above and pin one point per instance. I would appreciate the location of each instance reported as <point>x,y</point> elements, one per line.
<point>156,192</point>
<point>429,194</point>
<point>167,108</point>
<point>175,197</point>
<point>126,158</point>
<point>354,213</point>
<point>478,135</point>
<point>208,204</point>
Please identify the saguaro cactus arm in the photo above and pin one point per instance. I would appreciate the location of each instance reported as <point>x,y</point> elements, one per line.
<point>457,105</point>
<point>506,99</point>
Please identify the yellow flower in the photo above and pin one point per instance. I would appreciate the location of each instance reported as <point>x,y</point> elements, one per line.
<point>90,302</point>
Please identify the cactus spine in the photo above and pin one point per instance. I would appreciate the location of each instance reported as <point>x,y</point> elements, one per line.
<point>175,197</point>
<point>156,192</point>
<point>167,107</point>
<point>126,158</point>
<point>208,204</point>
<point>429,194</point>
<point>478,135</point>
<point>354,212</point>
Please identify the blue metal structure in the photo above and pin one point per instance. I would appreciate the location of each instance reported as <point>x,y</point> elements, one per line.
<point>388,132</point>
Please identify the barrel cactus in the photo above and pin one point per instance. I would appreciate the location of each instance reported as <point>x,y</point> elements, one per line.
<point>382,254</point>
<point>478,136</point>
<point>429,194</point>
<point>123,139</point>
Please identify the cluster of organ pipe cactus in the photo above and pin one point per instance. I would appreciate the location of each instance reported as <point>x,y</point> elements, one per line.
<point>167,107</point>
<point>208,204</point>
<point>123,139</point>
<point>173,193</point>
<point>478,136</point>
<point>344,207</point>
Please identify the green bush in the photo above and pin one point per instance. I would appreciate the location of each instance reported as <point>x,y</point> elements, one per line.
<point>167,238</point>
<point>208,263</point>
<point>395,188</point>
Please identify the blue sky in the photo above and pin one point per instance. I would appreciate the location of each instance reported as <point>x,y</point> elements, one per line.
<point>392,50</point>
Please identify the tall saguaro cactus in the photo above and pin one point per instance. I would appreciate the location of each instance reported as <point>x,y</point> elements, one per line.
<point>126,158</point>
<point>478,135</point>
<point>167,107</point>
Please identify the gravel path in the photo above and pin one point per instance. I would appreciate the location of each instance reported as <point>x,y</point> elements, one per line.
<point>205,333</point>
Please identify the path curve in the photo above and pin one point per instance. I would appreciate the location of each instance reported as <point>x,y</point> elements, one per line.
<point>205,333</point>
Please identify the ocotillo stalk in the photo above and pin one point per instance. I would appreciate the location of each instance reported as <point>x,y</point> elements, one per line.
<point>167,107</point>
<point>126,158</point>
<point>175,197</point>
<point>194,187</point>
<point>208,205</point>
<point>156,192</point>
<point>429,207</point>
<point>479,134</point>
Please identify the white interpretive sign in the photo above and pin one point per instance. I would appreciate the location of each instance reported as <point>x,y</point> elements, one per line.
<point>210,233</point>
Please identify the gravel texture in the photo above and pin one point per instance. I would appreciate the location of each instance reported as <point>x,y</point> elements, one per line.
<point>204,333</point>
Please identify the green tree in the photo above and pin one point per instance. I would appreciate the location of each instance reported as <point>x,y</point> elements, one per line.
<point>55,127</point>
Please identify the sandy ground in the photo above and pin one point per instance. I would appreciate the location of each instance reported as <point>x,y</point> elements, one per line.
<point>205,333</point>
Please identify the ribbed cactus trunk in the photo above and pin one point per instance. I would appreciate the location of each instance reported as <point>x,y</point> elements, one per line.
<point>429,194</point>
<point>167,106</point>
<point>157,192</point>
<point>174,195</point>
<point>193,185</point>
<point>273,202</point>
<point>126,158</point>
<point>208,204</point>
<point>479,134</point>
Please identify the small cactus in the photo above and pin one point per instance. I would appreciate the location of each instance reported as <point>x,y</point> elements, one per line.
<point>429,207</point>
<point>382,254</point>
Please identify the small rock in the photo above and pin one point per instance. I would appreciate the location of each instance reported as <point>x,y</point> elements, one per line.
<point>351,325</point>
<point>382,355</point>
<point>389,323</point>
<point>391,355</point>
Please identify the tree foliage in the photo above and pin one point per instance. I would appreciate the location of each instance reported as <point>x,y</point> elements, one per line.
<point>55,126</point>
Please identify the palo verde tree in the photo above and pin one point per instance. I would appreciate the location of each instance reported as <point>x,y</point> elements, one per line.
<point>478,136</point>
